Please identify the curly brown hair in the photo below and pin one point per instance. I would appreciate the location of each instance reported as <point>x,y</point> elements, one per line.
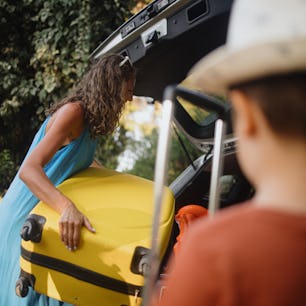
<point>99,93</point>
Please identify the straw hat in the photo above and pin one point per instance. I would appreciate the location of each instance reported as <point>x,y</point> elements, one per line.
<point>265,37</point>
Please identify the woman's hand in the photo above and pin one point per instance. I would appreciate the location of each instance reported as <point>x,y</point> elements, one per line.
<point>70,226</point>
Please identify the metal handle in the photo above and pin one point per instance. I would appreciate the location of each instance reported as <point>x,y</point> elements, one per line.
<point>160,181</point>
<point>217,167</point>
<point>201,100</point>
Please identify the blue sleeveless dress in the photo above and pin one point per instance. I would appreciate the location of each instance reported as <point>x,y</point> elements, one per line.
<point>17,204</point>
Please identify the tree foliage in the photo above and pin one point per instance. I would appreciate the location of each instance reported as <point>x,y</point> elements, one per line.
<point>110,147</point>
<point>146,151</point>
<point>44,47</point>
<point>7,169</point>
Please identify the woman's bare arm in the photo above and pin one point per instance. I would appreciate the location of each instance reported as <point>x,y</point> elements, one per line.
<point>68,123</point>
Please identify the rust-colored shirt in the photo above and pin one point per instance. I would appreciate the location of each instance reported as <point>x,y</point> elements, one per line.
<point>245,255</point>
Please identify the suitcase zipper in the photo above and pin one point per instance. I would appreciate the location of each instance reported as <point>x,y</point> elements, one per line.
<point>81,273</point>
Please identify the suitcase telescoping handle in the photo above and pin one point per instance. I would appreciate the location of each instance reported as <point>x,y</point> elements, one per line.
<point>203,101</point>
<point>197,98</point>
<point>221,109</point>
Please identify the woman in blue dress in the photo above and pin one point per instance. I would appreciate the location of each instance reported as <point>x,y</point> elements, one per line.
<point>64,145</point>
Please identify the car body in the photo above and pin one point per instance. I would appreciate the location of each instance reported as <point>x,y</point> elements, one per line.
<point>166,38</point>
<point>164,41</point>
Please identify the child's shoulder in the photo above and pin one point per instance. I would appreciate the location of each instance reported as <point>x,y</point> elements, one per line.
<point>246,221</point>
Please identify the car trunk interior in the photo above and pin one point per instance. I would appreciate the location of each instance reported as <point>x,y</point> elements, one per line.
<point>170,62</point>
<point>234,186</point>
<point>194,185</point>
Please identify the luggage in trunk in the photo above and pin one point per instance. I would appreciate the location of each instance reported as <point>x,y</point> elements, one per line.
<point>108,267</point>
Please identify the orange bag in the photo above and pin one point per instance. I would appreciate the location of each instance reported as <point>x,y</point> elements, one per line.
<point>184,217</point>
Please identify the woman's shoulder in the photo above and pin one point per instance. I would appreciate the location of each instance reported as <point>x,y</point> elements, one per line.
<point>73,109</point>
<point>69,116</point>
<point>71,112</point>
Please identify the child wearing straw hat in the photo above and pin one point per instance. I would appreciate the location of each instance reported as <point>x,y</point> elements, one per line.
<point>254,253</point>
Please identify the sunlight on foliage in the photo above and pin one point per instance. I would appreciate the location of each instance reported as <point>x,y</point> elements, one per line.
<point>45,47</point>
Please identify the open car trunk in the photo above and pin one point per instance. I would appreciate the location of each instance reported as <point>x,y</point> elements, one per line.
<point>164,41</point>
<point>166,38</point>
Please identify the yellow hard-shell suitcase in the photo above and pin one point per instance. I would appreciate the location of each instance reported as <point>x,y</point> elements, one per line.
<point>107,267</point>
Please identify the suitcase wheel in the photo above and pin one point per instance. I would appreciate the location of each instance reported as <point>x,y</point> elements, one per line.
<point>22,286</point>
<point>32,228</point>
<point>140,261</point>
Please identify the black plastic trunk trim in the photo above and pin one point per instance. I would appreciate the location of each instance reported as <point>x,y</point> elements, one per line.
<point>81,273</point>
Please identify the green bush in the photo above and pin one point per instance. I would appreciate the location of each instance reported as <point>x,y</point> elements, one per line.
<point>44,50</point>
